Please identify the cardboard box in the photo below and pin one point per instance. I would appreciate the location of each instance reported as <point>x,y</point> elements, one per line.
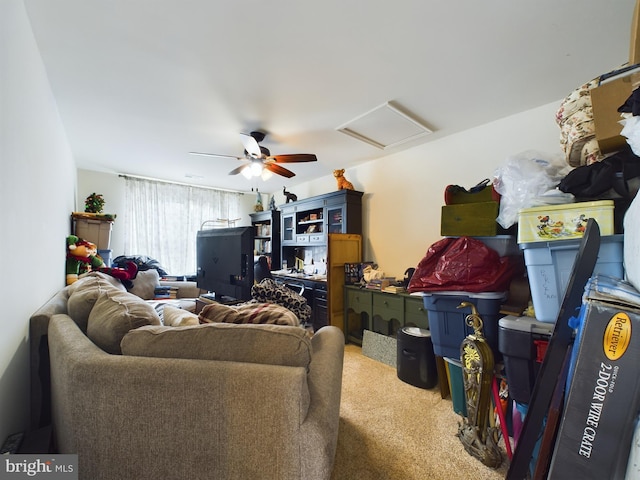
<point>605,99</point>
<point>594,438</point>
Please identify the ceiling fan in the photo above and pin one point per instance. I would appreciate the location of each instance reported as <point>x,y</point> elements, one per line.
<point>260,158</point>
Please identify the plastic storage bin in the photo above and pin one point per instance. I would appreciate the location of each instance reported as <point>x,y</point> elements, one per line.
<point>549,265</point>
<point>447,321</point>
<point>523,343</point>
<point>456,386</point>
<point>416,361</point>
<point>94,231</point>
<point>106,257</point>
<point>562,222</point>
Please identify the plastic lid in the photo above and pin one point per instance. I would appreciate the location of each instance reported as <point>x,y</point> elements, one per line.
<point>565,206</point>
<point>416,332</point>
<point>455,293</point>
<point>526,324</point>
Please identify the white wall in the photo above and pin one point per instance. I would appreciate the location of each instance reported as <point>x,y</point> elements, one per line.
<point>403,193</point>
<point>37,194</point>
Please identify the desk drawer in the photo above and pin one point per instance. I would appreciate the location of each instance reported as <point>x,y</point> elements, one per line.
<point>388,306</point>
<point>359,301</point>
<point>415,314</point>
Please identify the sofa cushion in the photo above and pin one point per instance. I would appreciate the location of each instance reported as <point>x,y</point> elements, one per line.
<point>84,294</point>
<point>176,317</point>
<point>250,312</point>
<point>265,344</point>
<point>145,283</point>
<point>114,314</point>
<point>91,277</point>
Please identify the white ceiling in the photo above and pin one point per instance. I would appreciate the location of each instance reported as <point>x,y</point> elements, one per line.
<point>140,83</point>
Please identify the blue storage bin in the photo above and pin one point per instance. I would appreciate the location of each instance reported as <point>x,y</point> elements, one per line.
<point>549,265</point>
<point>106,257</point>
<point>447,321</point>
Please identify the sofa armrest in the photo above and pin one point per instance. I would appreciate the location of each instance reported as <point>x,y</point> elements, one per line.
<point>320,428</point>
<point>40,380</point>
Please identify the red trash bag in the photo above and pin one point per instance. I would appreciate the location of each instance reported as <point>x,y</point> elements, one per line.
<point>462,264</point>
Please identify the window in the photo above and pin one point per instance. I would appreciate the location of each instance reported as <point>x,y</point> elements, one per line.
<point>161,220</point>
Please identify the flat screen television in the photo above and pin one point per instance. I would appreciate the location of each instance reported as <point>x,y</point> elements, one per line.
<point>224,259</point>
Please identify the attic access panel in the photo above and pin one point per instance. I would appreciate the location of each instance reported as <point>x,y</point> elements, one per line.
<point>384,127</point>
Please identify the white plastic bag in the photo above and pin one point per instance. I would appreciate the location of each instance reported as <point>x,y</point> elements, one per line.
<point>632,243</point>
<point>529,179</point>
<point>631,130</point>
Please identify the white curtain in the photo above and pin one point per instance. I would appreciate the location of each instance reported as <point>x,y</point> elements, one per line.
<point>161,220</point>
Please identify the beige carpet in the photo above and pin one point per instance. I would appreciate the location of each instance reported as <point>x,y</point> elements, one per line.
<point>392,430</point>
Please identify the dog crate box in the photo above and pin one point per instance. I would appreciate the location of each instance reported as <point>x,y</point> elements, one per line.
<point>595,435</point>
<point>549,265</point>
<point>563,222</point>
<point>94,231</point>
<point>523,343</point>
<point>448,323</point>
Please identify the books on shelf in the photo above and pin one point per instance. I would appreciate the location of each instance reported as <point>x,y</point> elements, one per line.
<point>380,283</point>
<point>162,292</point>
<point>395,289</point>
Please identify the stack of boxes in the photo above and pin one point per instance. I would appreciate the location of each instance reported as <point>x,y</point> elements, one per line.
<point>95,228</point>
<point>548,238</point>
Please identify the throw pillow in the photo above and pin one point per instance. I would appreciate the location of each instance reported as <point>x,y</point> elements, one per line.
<point>248,313</point>
<point>114,314</point>
<point>264,344</point>
<point>84,297</point>
<point>177,317</point>
<point>145,283</point>
<point>268,291</point>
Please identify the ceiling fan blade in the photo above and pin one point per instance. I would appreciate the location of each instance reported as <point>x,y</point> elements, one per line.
<point>251,145</point>
<point>294,158</point>
<point>239,169</point>
<point>277,169</point>
<point>215,155</point>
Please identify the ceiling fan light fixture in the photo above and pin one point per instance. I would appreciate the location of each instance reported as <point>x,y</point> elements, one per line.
<point>266,174</point>
<point>256,168</point>
<point>246,172</point>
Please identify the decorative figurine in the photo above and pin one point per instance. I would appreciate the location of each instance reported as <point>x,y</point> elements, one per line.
<point>291,197</point>
<point>258,206</point>
<point>343,183</point>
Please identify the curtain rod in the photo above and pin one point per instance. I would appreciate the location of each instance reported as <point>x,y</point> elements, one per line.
<point>140,177</point>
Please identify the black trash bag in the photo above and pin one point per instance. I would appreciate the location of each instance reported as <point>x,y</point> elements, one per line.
<point>142,262</point>
<point>614,177</point>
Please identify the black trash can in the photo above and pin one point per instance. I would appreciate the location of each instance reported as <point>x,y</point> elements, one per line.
<point>416,360</point>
